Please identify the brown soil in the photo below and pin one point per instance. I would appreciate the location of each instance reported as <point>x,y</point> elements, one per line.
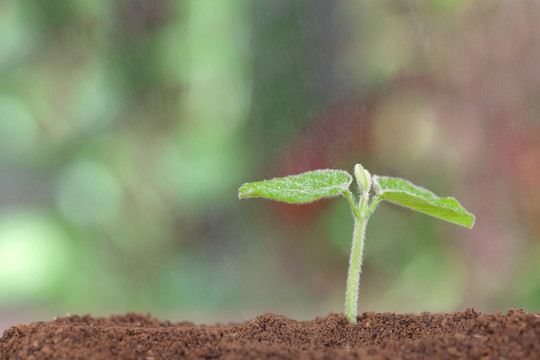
<point>463,335</point>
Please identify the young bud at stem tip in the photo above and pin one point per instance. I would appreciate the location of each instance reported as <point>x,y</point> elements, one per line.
<point>363,178</point>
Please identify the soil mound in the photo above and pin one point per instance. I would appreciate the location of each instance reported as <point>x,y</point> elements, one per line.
<point>462,335</point>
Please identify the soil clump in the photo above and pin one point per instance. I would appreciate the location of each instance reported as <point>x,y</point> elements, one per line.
<point>461,335</point>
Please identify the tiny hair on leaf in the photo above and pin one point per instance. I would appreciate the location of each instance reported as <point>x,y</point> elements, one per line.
<point>299,189</point>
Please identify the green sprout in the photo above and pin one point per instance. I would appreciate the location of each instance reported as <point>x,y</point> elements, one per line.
<point>314,185</point>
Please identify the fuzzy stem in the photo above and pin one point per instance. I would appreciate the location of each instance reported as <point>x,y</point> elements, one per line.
<point>354,208</point>
<point>355,267</point>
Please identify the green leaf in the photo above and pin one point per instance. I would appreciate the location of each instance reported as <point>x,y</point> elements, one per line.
<point>299,189</point>
<point>404,193</point>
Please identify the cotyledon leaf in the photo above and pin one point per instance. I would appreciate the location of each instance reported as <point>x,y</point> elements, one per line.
<point>299,189</point>
<point>404,193</point>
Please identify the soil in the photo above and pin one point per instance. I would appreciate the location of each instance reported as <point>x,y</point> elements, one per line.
<point>462,335</point>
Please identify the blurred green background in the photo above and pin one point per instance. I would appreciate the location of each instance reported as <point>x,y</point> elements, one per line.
<point>126,128</point>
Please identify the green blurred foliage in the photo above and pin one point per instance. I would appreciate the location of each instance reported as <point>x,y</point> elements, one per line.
<point>126,128</point>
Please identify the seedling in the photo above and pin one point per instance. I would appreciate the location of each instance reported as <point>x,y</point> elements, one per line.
<point>314,185</point>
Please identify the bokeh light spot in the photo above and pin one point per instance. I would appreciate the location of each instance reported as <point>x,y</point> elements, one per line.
<point>34,253</point>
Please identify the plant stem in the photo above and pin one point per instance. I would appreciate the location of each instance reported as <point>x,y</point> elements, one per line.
<point>355,266</point>
<point>354,208</point>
